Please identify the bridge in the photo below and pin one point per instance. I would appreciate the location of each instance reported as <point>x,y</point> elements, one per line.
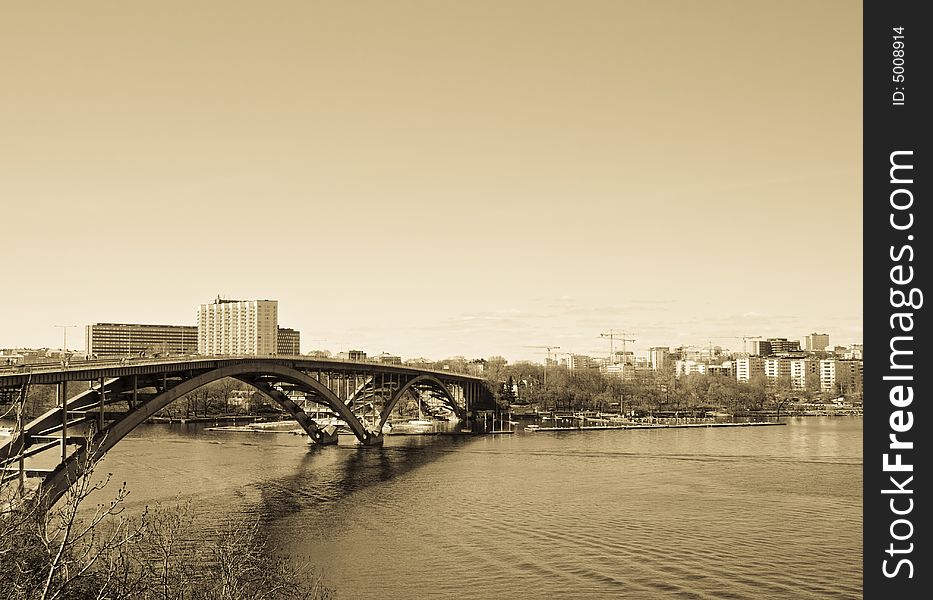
<point>120,396</point>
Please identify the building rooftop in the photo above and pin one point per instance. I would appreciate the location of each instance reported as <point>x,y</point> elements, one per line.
<point>220,300</point>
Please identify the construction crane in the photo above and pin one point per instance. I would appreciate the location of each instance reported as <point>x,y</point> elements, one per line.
<point>744,339</point>
<point>683,350</point>
<point>548,348</point>
<point>710,342</point>
<point>615,335</point>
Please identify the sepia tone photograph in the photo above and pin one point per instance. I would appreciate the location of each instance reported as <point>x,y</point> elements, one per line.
<point>429,299</point>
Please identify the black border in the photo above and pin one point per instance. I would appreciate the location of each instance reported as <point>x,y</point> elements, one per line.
<point>889,128</point>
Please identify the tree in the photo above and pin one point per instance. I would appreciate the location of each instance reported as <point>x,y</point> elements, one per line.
<point>246,569</point>
<point>782,395</point>
<point>603,401</point>
<point>39,399</point>
<point>256,404</point>
<point>52,554</point>
<point>507,392</point>
<point>813,384</point>
<point>757,394</point>
<point>778,402</point>
<point>57,554</point>
<point>495,367</point>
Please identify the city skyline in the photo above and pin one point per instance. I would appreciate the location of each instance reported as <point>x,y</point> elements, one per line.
<point>534,352</point>
<point>677,170</point>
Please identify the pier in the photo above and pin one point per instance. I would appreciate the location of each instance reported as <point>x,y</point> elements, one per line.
<point>655,426</point>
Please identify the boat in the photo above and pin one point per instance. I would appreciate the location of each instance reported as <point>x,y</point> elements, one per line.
<point>421,421</point>
<point>532,427</point>
<point>717,413</point>
<point>6,431</point>
<point>414,426</point>
<point>418,425</point>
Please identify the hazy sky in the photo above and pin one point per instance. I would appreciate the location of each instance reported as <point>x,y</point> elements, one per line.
<point>432,178</point>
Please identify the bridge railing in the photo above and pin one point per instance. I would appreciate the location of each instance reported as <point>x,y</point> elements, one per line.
<point>58,365</point>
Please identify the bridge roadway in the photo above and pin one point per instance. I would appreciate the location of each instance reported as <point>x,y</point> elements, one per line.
<point>121,395</point>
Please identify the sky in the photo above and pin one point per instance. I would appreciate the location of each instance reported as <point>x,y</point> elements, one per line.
<point>432,177</point>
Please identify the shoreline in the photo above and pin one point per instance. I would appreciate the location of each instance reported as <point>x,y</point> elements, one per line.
<point>656,426</point>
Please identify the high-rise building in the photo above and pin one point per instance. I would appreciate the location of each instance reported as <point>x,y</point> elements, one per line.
<point>131,339</point>
<point>777,368</point>
<point>659,357</point>
<point>816,342</point>
<point>847,373</point>
<point>759,347</point>
<point>747,367</point>
<point>289,343</point>
<point>772,346</point>
<point>576,362</point>
<point>238,327</point>
<point>802,371</point>
<point>781,345</point>
<point>726,369</point>
<point>828,374</point>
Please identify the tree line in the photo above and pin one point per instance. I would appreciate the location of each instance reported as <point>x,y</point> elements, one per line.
<point>647,392</point>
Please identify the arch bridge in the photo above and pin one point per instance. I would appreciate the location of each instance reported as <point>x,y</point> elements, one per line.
<point>119,397</point>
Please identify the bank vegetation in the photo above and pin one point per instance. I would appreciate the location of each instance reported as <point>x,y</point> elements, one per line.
<point>651,392</point>
<point>75,551</point>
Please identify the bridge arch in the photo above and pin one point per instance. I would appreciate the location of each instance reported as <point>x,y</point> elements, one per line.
<point>420,379</point>
<point>68,471</point>
<point>122,395</point>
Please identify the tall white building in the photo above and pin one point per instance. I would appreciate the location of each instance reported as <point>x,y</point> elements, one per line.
<point>659,357</point>
<point>828,374</point>
<point>238,327</point>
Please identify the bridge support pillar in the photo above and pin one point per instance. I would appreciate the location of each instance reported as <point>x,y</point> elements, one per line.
<point>373,440</point>
<point>326,436</point>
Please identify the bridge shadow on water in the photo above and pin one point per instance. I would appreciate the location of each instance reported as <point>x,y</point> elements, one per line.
<point>329,474</point>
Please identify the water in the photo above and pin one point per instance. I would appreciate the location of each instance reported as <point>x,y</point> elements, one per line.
<point>758,512</point>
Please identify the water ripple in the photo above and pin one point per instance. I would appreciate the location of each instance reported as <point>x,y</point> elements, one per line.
<point>756,513</point>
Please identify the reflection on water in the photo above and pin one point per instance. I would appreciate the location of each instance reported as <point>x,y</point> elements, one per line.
<point>771,512</point>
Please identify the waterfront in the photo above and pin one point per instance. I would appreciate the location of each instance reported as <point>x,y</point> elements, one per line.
<point>772,512</point>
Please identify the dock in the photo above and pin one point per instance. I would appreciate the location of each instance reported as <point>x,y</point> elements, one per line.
<point>655,426</point>
<point>452,433</point>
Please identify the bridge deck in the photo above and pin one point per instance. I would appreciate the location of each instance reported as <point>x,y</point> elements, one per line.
<point>93,370</point>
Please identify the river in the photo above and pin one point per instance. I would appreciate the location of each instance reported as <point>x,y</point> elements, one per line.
<point>757,512</point>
